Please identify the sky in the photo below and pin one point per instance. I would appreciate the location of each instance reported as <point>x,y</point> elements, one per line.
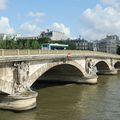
<point>90,19</point>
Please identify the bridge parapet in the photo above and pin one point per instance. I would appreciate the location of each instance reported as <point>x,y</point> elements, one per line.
<point>28,52</point>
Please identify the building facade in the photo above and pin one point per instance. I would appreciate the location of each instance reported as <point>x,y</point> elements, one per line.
<point>28,38</point>
<point>108,44</point>
<point>54,35</point>
<point>80,44</point>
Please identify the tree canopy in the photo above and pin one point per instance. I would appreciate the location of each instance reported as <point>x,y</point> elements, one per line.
<point>31,43</point>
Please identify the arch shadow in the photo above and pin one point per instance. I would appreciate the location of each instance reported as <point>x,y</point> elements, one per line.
<point>117,65</point>
<point>62,72</point>
<point>102,66</point>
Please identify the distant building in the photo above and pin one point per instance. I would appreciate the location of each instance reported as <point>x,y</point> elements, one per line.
<point>28,38</point>
<point>91,46</point>
<point>54,35</point>
<point>95,45</point>
<point>108,44</point>
<point>81,44</point>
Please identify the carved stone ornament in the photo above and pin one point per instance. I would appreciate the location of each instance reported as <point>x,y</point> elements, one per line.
<point>92,70</point>
<point>22,74</point>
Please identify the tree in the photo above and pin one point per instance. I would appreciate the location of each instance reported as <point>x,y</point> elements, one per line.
<point>20,44</point>
<point>34,44</point>
<point>2,44</point>
<point>26,44</point>
<point>72,46</point>
<point>44,40</point>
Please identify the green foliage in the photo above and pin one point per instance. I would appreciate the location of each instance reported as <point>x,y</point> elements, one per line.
<point>34,45</point>
<point>31,43</point>
<point>44,40</point>
<point>72,46</point>
<point>2,44</point>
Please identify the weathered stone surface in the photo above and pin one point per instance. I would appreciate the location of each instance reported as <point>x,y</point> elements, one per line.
<point>18,102</point>
<point>18,73</point>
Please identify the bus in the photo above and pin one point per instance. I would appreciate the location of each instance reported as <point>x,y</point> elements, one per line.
<point>53,46</point>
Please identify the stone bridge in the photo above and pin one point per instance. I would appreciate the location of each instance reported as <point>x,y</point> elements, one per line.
<point>19,72</point>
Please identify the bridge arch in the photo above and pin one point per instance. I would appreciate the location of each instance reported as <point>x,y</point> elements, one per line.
<point>117,65</point>
<point>102,66</point>
<point>60,70</point>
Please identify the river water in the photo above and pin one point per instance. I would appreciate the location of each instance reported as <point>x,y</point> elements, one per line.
<point>74,102</point>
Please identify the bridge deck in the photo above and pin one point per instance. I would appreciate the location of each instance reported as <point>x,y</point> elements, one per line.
<point>26,55</point>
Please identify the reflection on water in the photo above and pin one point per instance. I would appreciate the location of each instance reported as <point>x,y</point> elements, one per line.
<point>75,102</point>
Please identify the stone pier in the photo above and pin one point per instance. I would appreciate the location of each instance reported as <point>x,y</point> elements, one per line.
<point>18,102</point>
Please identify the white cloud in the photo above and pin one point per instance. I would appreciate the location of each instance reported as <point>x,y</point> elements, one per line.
<point>29,29</point>
<point>28,26</point>
<point>100,21</point>
<point>36,14</point>
<point>3,4</point>
<point>60,27</point>
<point>5,26</point>
<point>109,1</point>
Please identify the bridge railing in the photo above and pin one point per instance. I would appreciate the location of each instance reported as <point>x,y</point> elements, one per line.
<point>22,52</point>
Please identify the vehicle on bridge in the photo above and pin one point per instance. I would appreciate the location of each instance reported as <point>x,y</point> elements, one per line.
<point>53,46</point>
